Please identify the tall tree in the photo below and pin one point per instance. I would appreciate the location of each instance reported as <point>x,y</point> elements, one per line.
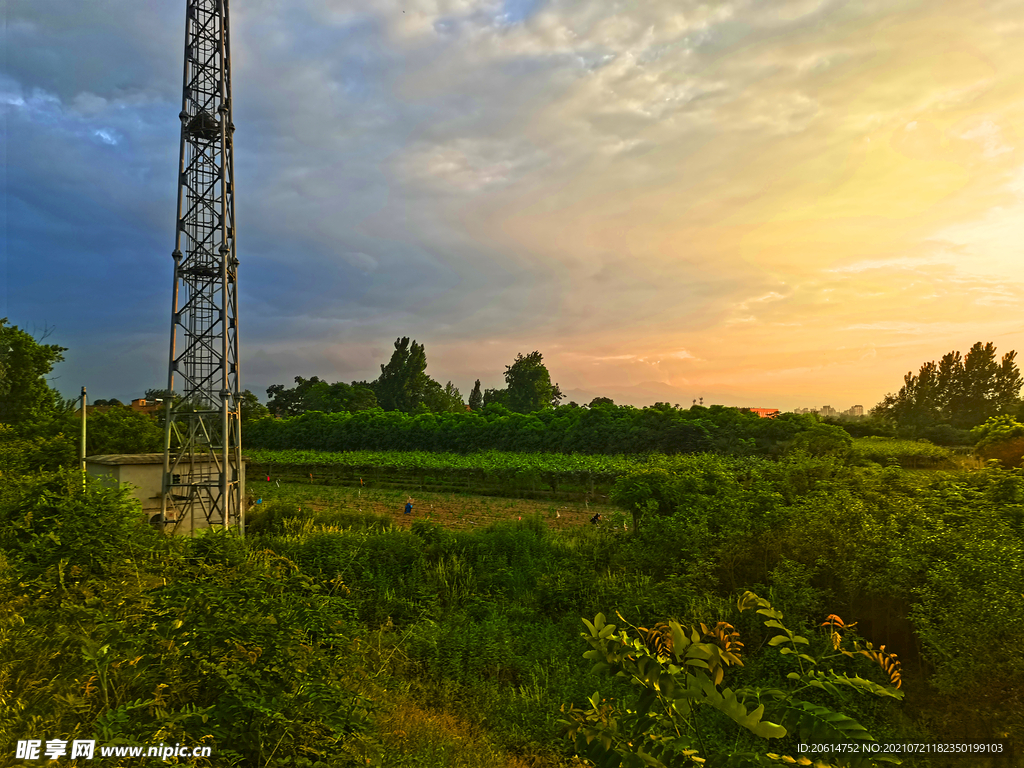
<point>25,396</point>
<point>495,397</point>
<point>1008,383</point>
<point>445,399</point>
<point>251,408</point>
<point>402,385</point>
<point>529,384</point>
<point>476,397</point>
<point>290,402</point>
<point>962,391</point>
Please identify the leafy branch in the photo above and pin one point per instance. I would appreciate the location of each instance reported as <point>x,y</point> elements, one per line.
<point>680,670</point>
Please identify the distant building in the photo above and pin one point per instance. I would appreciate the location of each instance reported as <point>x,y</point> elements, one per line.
<point>764,413</point>
<point>857,410</point>
<point>142,405</point>
<point>828,410</point>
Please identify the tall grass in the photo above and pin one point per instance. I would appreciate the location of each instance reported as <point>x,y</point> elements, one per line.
<point>907,454</point>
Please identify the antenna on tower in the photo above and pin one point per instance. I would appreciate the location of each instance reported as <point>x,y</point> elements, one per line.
<point>203,475</point>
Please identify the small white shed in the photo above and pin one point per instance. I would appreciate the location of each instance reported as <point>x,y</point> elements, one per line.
<point>144,473</point>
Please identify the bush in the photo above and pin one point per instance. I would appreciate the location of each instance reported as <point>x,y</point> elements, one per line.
<point>823,440</point>
<point>646,491</point>
<point>22,453</point>
<point>1001,438</point>
<point>116,430</point>
<point>947,435</point>
<point>56,518</point>
<point>907,454</point>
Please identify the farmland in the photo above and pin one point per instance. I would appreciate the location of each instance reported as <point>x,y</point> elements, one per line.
<point>499,473</point>
<point>455,511</point>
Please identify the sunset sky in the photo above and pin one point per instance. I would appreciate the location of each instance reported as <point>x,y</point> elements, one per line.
<point>777,204</point>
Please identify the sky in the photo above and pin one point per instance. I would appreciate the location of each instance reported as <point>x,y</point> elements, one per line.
<point>785,204</point>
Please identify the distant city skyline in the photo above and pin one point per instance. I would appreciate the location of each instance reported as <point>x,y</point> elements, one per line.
<point>829,411</point>
<point>765,205</point>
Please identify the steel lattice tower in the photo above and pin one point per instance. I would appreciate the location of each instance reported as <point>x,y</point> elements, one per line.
<point>203,481</point>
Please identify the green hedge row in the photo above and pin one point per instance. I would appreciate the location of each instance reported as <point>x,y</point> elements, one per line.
<point>604,429</point>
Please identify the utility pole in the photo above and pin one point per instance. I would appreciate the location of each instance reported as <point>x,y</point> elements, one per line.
<point>202,478</point>
<point>82,445</point>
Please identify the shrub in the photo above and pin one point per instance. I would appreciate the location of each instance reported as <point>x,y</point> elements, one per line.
<point>22,453</point>
<point>57,518</point>
<point>1001,438</point>
<point>823,440</point>
<point>907,454</point>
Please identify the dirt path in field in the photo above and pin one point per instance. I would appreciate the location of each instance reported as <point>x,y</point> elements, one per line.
<point>452,510</point>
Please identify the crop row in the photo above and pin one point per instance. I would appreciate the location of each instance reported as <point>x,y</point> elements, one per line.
<point>549,469</point>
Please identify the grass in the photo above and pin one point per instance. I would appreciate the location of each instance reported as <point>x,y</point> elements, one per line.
<point>909,454</point>
<point>454,511</point>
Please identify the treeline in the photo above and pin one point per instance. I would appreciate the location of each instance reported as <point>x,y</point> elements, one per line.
<point>601,429</point>
<point>403,385</point>
<point>945,400</point>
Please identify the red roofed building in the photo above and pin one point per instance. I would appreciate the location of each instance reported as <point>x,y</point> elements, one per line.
<point>764,413</point>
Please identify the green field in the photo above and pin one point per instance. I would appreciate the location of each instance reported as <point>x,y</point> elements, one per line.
<point>456,511</point>
<point>545,475</point>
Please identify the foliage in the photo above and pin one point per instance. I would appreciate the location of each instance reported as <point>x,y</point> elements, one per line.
<point>495,397</point>
<point>25,397</point>
<point>113,631</point>
<point>447,399</point>
<point>63,520</point>
<point>976,584</point>
<point>644,491</point>
<point>24,453</point>
<point>679,671</point>
<point>824,440</point>
<point>117,429</point>
<point>402,385</point>
<point>504,469</point>
<point>960,391</point>
<point>472,632</point>
<point>311,395</point>
<point>946,435</point>
<point>476,397</point>
<point>603,429</point>
<point>1001,438</point>
<point>251,408</point>
<point>869,426</point>
<point>908,454</point>
<point>529,385</point>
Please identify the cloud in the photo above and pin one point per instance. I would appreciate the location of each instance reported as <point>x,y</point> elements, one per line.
<point>670,189</point>
<point>989,136</point>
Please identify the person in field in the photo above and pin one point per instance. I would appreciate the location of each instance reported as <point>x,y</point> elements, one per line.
<point>408,506</point>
